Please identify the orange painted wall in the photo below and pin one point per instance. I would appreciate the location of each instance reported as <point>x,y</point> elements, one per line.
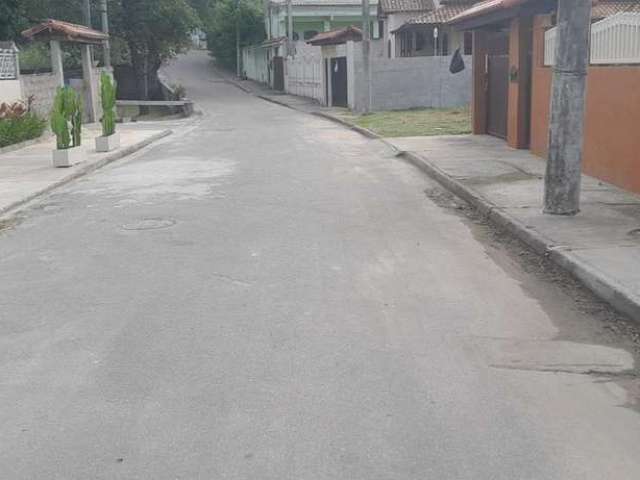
<point>612,127</point>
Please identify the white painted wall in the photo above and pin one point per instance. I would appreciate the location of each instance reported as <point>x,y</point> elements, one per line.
<point>303,72</point>
<point>10,91</point>
<point>255,63</point>
<point>391,23</point>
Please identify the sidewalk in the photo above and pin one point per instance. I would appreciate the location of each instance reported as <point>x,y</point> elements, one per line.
<point>600,246</point>
<point>27,173</point>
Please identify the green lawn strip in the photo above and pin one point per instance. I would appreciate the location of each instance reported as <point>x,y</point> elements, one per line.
<point>413,123</point>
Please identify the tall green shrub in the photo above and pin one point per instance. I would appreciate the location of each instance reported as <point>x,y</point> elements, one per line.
<point>108,94</point>
<point>66,118</point>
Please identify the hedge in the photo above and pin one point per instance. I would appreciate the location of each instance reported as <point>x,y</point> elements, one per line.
<point>16,130</point>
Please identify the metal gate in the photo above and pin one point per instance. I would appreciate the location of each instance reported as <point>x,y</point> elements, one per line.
<point>339,82</point>
<point>497,95</point>
<point>278,73</point>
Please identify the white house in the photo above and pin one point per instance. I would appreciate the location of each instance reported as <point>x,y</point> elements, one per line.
<point>392,14</point>
<point>311,17</point>
<point>428,34</point>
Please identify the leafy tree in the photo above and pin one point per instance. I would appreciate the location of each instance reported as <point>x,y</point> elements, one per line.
<point>17,15</point>
<point>221,28</point>
<point>154,31</point>
<point>151,31</point>
<point>11,19</point>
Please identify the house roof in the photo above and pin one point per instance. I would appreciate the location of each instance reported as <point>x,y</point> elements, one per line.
<point>484,8</point>
<point>395,6</point>
<point>435,17</point>
<point>273,42</point>
<point>601,8</point>
<point>336,37</point>
<point>329,3</point>
<point>69,32</point>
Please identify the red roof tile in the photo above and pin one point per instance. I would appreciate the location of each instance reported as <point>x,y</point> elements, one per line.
<point>336,37</point>
<point>395,6</point>
<point>436,17</point>
<point>71,31</point>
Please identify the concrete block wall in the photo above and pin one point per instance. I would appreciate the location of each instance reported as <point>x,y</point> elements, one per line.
<point>43,88</point>
<point>411,82</point>
<point>402,83</point>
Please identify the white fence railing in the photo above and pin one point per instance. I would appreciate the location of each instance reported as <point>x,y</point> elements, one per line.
<point>304,72</point>
<point>614,41</point>
<point>8,64</point>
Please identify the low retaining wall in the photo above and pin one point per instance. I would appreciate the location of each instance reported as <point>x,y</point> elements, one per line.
<point>411,82</point>
<point>10,91</point>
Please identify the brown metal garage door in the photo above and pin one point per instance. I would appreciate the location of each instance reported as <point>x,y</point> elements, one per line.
<point>498,95</point>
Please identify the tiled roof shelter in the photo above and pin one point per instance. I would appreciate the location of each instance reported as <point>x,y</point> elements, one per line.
<point>56,32</point>
<point>65,32</point>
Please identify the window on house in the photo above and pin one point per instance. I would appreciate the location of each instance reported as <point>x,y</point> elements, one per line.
<point>405,44</point>
<point>380,28</point>
<point>445,45</point>
<point>420,41</point>
<point>309,34</point>
<point>468,43</point>
<point>389,48</point>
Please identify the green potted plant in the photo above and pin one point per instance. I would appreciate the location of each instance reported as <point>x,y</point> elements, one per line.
<point>66,123</point>
<point>110,139</point>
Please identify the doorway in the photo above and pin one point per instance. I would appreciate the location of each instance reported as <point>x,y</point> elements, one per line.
<point>278,73</point>
<point>497,70</point>
<point>339,85</point>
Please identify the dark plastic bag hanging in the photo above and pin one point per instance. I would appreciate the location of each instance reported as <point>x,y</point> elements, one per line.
<point>457,63</point>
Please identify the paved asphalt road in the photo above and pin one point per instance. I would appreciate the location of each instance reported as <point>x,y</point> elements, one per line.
<point>268,296</point>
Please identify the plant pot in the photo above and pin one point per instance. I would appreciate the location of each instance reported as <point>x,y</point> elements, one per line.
<point>68,157</point>
<point>106,144</point>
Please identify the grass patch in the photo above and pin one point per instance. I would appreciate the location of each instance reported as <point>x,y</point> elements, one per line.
<point>416,122</point>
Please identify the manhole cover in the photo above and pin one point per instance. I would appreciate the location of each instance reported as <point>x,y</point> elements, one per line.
<point>150,224</point>
<point>634,233</point>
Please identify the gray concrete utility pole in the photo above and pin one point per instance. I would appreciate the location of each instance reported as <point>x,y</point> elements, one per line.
<point>289,25</point>
<point>366,46</point>
<point>238,58</point>
<point>566,128</point>
<point>106,47</point>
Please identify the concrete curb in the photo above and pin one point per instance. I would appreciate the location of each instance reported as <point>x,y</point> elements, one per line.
<point>27,143</point>
<point>361,130</point>
<point>273,100</point>
<point>117,155</point>
<point>607,289</point>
